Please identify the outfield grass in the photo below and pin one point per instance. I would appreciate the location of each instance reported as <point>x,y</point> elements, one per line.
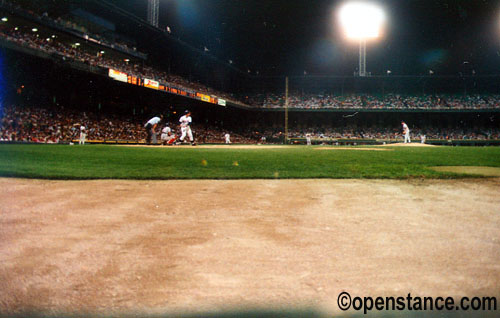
<point>116,162</point>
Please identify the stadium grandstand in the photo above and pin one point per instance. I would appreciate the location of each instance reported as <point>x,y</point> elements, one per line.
<point>86,65</point>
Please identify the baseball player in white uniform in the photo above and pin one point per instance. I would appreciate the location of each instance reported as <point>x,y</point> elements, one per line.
<point>422,139</point>
<point>83,135</point>
<point>186,121</point>
<point>406,131</point>
<point>308,139</point>
<point>227,138</point>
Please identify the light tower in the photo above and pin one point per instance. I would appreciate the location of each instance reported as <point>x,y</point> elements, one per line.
<point>153,11</point>
<point>361,21</point>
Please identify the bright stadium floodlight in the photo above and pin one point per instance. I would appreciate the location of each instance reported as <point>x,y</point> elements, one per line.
<point>361,21</point>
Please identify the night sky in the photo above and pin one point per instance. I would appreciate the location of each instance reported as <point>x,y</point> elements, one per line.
<point>288,37</point>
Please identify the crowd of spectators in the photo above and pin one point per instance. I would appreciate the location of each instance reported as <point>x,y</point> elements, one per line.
<point>57,124</point>
<point>50,46</point>
<point>385,133</point>
<point>71,52</point>
<point>388,101</point>
<point>37,14</point>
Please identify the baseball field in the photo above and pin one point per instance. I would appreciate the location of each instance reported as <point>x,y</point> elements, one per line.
<point>106,229</point>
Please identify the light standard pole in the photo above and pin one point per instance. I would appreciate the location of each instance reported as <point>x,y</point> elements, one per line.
<point>153,12</point>
<point>362,57</point>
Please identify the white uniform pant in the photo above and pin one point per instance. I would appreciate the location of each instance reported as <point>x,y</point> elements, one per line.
<point>228,141</point>
<point>308,140</point>
<point>184,131</point>
<point>82,138</point>
<point>407,137</point>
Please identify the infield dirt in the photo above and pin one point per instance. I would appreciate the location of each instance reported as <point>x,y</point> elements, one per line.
<point>151,246</point>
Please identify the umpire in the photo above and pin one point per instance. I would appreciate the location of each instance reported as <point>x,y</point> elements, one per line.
<point>151,127</point>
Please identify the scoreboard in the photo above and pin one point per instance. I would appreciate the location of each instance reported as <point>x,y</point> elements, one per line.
<point>165,87</point>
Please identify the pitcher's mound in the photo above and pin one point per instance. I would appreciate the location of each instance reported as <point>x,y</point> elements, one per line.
<point>484,171</point>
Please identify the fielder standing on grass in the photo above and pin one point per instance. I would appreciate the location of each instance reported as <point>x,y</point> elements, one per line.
<point>151,127</point>
<point>83,135</point>
<point>422,139</point>
<point>186,121</point>
<point>406,131</point>
<point>308,139</point>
